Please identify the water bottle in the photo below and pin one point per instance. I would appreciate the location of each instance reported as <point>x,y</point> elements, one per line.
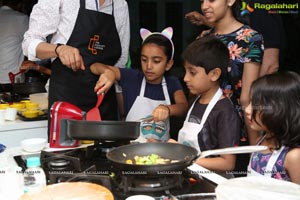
<point>34,175</point>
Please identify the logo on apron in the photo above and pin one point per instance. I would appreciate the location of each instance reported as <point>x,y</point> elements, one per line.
<point>95,45</point>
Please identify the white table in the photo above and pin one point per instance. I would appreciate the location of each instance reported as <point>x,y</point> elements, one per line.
<point>13,132</point>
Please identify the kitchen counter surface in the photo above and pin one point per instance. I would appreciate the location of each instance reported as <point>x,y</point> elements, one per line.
<point>13,132</point>
<point>19,124</point>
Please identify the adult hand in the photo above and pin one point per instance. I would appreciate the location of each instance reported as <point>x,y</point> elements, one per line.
<point>70,56</point>
<point>29,65</point>
<point>106,80</point>
<point>196,18</point>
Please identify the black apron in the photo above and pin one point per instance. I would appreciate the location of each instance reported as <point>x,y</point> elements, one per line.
<point>96,37</point>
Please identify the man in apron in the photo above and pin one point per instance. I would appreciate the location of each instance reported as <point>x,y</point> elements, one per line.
<point>94,38</point>
<point>78,87</point>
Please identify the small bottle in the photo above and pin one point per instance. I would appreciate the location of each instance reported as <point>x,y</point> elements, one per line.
<point>34,175</point>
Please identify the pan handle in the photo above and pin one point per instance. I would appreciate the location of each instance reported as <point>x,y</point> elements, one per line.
<point>233,150</point>
<point>229,150</point>
<point>210,175</point>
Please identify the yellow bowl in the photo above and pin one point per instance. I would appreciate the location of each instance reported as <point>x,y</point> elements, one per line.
<point>4,106</point>
<point>25,102</point>
<point>30,113</point>
<point>87,141</point>
<point>32,106</point>
<point>18,106</point>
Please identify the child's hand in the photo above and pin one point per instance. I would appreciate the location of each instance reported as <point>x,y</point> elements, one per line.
<point>161,113</point>
<point>152,140</point>
<point>172,141</point>
<point>106,80</point>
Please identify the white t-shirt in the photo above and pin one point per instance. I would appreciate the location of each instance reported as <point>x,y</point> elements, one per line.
<point>13,25</point>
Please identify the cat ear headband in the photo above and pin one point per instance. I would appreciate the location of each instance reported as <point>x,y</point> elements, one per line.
<point>167,32</point>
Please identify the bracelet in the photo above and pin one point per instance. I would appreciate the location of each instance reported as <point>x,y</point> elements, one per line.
<point>55,50</point>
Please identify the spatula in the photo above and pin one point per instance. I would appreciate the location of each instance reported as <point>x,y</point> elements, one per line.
<point>94,114</point>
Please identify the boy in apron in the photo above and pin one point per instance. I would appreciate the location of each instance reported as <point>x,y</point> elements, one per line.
<point>211,122</point>
<point>150,92</point>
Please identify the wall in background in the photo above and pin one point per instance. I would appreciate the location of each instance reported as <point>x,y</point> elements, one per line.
<point>155,15</point>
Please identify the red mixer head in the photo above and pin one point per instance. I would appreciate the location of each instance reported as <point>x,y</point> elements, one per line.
<point>60,112</point>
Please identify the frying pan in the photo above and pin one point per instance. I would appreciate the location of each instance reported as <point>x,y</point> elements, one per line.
<point>185,155</point>
<point>103,130</point>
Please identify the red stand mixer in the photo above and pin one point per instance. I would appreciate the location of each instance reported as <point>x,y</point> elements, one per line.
<point>60,113</point>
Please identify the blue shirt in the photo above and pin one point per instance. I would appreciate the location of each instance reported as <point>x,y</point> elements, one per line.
<point>131,81</point>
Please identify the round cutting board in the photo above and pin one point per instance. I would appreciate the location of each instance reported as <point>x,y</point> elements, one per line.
<point>70,191</point>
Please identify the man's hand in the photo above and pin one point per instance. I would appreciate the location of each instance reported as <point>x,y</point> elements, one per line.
<point>70,56</point>
<point>29,65</point>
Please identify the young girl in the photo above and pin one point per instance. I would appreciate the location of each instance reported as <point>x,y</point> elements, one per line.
<point>275,110</point>
<point>150,92</point>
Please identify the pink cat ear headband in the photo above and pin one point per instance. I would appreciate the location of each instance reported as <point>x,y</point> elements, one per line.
<point>167,32</point>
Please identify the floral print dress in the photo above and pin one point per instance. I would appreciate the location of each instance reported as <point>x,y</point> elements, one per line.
<point>244,45</point>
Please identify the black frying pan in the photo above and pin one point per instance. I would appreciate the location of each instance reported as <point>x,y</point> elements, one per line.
<point>103,130</point>
<point>173,151</point>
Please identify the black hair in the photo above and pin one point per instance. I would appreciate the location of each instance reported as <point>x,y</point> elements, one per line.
<point>208,52</point>
<point>236,12</point>
<point>276,98</point>
<point>12,2</point>
<point>162,41</point>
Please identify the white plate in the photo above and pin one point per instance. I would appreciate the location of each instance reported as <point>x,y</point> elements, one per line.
<point>140,197</point>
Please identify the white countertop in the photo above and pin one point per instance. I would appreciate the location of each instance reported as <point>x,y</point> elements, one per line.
<point>13,132</point>
<point>19,124</point>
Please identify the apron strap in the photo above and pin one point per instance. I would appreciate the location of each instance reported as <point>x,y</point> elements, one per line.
<point>191,108</point>
<point>143,86</point>
<point>82,4</point>
<point>164,87</point>
<point>251,156</point>
<point>272,161</point>
<point>211,105</point>
<point>112,13</point>
<point>165,90</point>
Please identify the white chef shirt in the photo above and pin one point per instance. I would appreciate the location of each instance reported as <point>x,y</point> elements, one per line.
<point>13,25</point>
<point>58,18</point>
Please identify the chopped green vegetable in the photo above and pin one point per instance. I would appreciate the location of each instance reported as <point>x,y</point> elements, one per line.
<point>152,159</point>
